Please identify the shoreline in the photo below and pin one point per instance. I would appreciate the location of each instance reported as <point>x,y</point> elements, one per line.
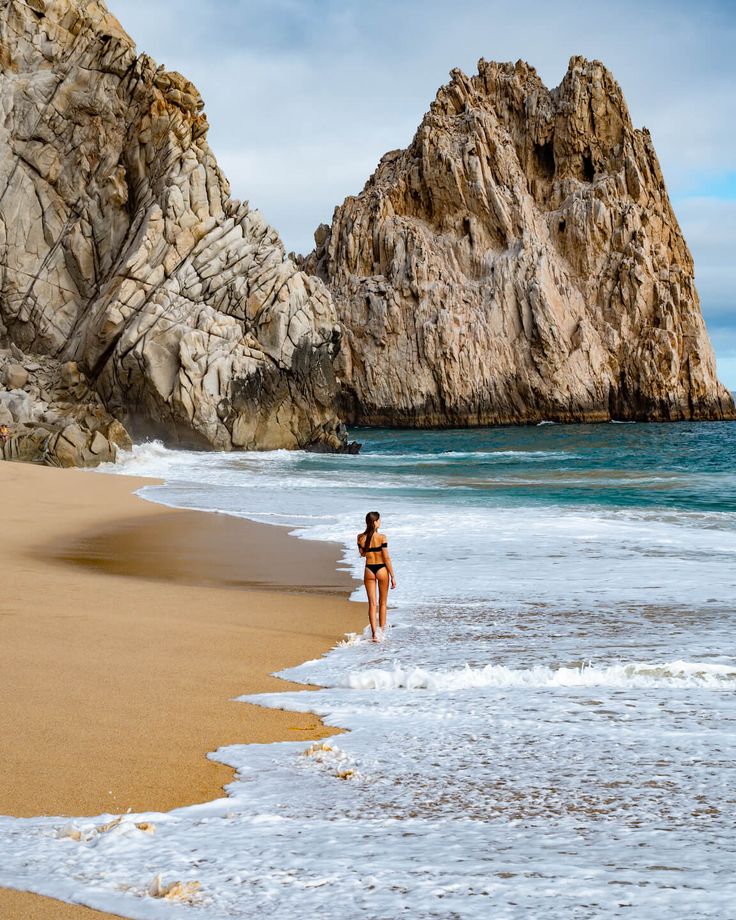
<point>128,629</point>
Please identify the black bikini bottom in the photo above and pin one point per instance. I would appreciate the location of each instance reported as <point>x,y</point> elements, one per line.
<point>375,566</point>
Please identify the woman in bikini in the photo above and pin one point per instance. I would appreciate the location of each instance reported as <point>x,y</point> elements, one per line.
<point>373,547</point>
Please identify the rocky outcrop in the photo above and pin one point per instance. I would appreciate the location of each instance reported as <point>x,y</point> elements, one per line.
<point>519,261</point>
<point>48,414</point>
<point>121,250</point>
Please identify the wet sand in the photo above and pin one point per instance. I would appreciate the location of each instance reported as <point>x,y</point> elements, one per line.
<point>127,629</point>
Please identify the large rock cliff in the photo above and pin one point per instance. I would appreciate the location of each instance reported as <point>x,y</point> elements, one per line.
<point>519,261</point>
<point>121,250</point>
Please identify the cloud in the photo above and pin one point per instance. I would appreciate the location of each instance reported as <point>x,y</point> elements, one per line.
<point>305,96</point>
<point>709,225</point>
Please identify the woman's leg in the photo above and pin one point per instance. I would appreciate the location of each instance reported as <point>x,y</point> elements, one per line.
<point>370,589</point>
<point>382,578</point>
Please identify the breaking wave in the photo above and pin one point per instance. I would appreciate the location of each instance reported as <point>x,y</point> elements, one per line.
<point>635,676</point>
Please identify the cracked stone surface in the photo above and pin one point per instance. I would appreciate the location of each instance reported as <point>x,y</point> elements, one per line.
<point>121,250</point>
<point>519,261</point>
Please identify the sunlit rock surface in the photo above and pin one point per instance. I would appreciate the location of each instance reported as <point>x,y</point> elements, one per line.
<point>519,261</point>
<point>120,248</point>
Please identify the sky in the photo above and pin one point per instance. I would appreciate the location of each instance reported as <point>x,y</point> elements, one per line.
<point>303,97</point>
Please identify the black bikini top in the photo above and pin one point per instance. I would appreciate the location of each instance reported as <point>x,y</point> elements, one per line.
<point>374,549</point>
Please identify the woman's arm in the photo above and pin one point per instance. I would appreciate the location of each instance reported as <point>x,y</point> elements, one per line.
<point>360,546</point>
<point>387,560</point>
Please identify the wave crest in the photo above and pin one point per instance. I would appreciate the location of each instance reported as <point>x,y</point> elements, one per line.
<point>636,675</point>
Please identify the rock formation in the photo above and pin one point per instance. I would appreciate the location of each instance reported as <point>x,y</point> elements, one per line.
<point>49,414</point>
<point>519,261</point>
<point>121,250</point>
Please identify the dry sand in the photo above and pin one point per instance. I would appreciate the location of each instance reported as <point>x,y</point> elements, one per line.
<point>127,629</point>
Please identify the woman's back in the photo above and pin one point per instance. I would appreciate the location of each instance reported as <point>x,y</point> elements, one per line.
<point>378,541</point>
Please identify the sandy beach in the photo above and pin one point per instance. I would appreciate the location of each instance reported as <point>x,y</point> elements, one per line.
<point>127,630</point>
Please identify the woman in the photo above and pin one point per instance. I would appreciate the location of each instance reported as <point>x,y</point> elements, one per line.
<point>373,546</point>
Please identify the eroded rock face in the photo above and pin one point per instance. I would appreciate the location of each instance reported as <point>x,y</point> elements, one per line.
<point>120,248</point>
<point>519,261</point>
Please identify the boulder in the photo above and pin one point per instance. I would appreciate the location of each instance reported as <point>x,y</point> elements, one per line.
<point>19,405</point>
<point>15,376</point>
<point>118,436</point>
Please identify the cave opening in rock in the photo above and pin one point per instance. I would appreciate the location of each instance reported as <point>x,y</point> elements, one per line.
<point>562,225</point>
<point>545,156</point>
<point>588,168</point>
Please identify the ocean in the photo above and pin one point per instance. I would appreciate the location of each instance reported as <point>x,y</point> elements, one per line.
<point>548,730</point>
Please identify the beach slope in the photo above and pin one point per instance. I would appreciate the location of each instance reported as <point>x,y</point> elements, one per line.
<point>127,631</point>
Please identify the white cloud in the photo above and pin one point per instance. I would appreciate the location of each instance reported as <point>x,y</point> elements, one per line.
<point>709,225</point>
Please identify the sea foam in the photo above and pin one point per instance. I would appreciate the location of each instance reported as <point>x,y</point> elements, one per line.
<point>636,676</point>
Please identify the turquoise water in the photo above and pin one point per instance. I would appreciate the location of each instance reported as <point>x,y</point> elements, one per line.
<point>687,466</point>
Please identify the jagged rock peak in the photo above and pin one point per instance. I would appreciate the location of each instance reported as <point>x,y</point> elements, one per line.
<point>121,249</point>
<point>519,261</point>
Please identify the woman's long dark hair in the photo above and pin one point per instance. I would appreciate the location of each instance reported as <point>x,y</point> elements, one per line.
<point>370,528</point>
